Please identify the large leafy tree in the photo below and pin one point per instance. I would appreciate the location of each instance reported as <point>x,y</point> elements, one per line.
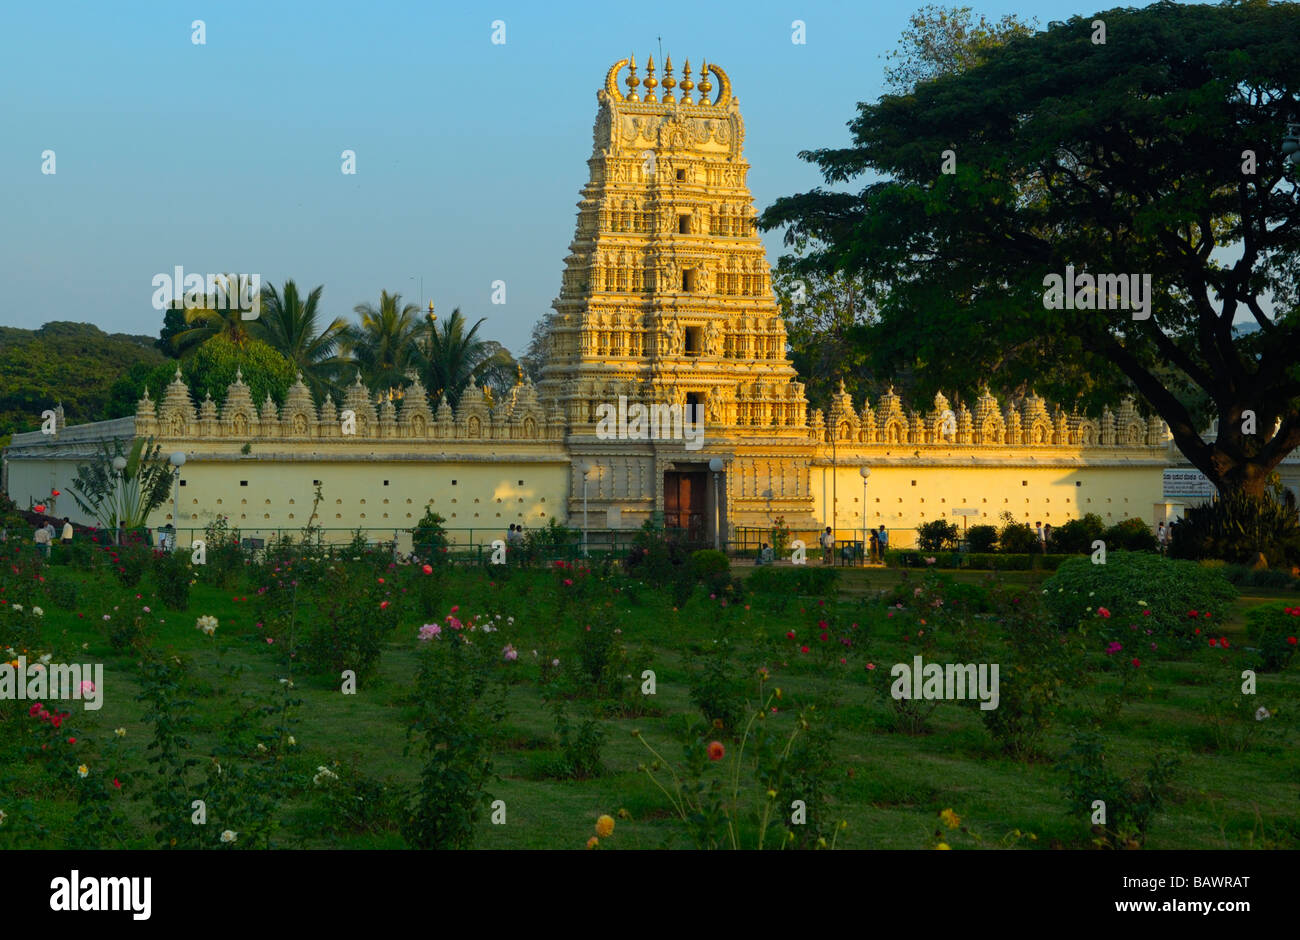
<point>383,342</point>
<point>1156,152</point>
<point>822,313</point>
<point>290,324</point>
<point>946,40</point>
<point>450,357</point>
<point>212,368</point>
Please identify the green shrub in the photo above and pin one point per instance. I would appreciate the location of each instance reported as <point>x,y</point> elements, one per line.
<point>579,747</point>
<point>936,536</point>
<point>1077,535</point>
<point>1017,538</point>
<point>1275,630</point>
<point>712,568</point>
<point>172,573</point>
<point>808,580</point>
<point>1237,528</point>
<point>1130,535</point>
<point>1170,590</point>
<point>1131,804</point>
<point>429,539</point>
<point>63,593</point>
<point>223,558</point>
<point>716,687</point>
<point>345,622</point>
<point>981,538</point>
<point>129,560</point>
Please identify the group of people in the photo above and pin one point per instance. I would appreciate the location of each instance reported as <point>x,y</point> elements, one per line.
<point>879,544</point>
<point>45,536</point>
<point>515,535</point>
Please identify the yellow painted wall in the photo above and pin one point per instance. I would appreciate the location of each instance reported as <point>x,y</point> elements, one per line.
<point>1030,494</point>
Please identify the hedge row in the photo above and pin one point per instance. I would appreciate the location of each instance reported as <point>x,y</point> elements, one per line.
<point>911,558</point>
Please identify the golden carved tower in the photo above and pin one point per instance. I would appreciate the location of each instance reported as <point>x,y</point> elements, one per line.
<point>667,299</point>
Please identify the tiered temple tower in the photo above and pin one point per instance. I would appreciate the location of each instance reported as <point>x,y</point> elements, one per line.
<point>667,299</point>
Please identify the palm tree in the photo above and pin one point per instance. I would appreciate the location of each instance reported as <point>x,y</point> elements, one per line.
<point>215,319</point>
<point>382,343</point>
<point>450,358</point>
<point>288,324</point>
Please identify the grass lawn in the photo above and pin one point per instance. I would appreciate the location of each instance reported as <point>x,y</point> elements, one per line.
<point>887,786</point>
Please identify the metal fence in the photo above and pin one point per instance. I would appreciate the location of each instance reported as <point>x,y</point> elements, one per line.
<point>848,548</point>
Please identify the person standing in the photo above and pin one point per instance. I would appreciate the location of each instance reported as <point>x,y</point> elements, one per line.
<point>43,540</point>
<point>875,547</point>
<point>828,546</point>
<point>1162,538</point>
<point>882,536</point>
<point>67,531</point>
<point>1047,536</point>
<point>1042,540</point>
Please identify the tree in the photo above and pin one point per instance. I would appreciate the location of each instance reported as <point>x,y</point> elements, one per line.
<point>212,368</point>
<point>219,317</point>
<point>143,486</point>
<point>1122,157</point>
<point>173,325</point>
<point>382,343</point>
<point>288,324</point>
<point>539,347</point>
<point>946,40</point>
<point>822,313</point>
<point>451,358</point>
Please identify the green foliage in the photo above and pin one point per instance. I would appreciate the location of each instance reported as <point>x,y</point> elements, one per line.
<point>1275,630</point>
<point>130,559</point>
<point>1130,535</point>
<point>345,622</point>
<point>1130,804</point>
<point>1017,538</point>
<point>457,709</point>
<point>716,686</point>
<point>579,757</point>
<point>1131,583</point>
<point>936,535</point>
<point>1077,535</point>
<point>982,538</point>
<point>224,557</point>
<point>711,568</point>
<point>129,497</point>
<point>212,368</point>
<point>172,574</point>
<point>1030,186</point>
<point>75,364</point>
<point>429,539</point>
<point>797,580</point>
<point>1237,527</point>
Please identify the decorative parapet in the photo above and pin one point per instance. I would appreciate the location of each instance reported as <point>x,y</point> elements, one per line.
<point>519,417</point>
<point>1023,424</point>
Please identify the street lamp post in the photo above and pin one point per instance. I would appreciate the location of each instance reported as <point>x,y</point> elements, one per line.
<point>585,469</point>
<point>865,472</point>
<point>1291,144</point>
<point>119,464</point>
<point>715,465</point>
<point>177,461</point>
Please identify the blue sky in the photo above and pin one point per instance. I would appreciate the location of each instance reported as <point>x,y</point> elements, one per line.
<point>470,156</point>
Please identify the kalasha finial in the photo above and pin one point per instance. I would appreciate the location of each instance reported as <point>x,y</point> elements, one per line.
<point>669,82</point>
<point>705,86</point>
<point>632,81</point>
<point>650,80</point>
<point>687,84</point>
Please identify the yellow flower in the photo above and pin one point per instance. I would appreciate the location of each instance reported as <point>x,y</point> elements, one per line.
<point>593,842</point>
<point>778,693</point>
<point>605,826</point>
<point>950,819</point>
<point>624,814</point>
<point>120,732</point>
<point>83,770</point>
<point>771,794</point>
<point>943,846</point>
